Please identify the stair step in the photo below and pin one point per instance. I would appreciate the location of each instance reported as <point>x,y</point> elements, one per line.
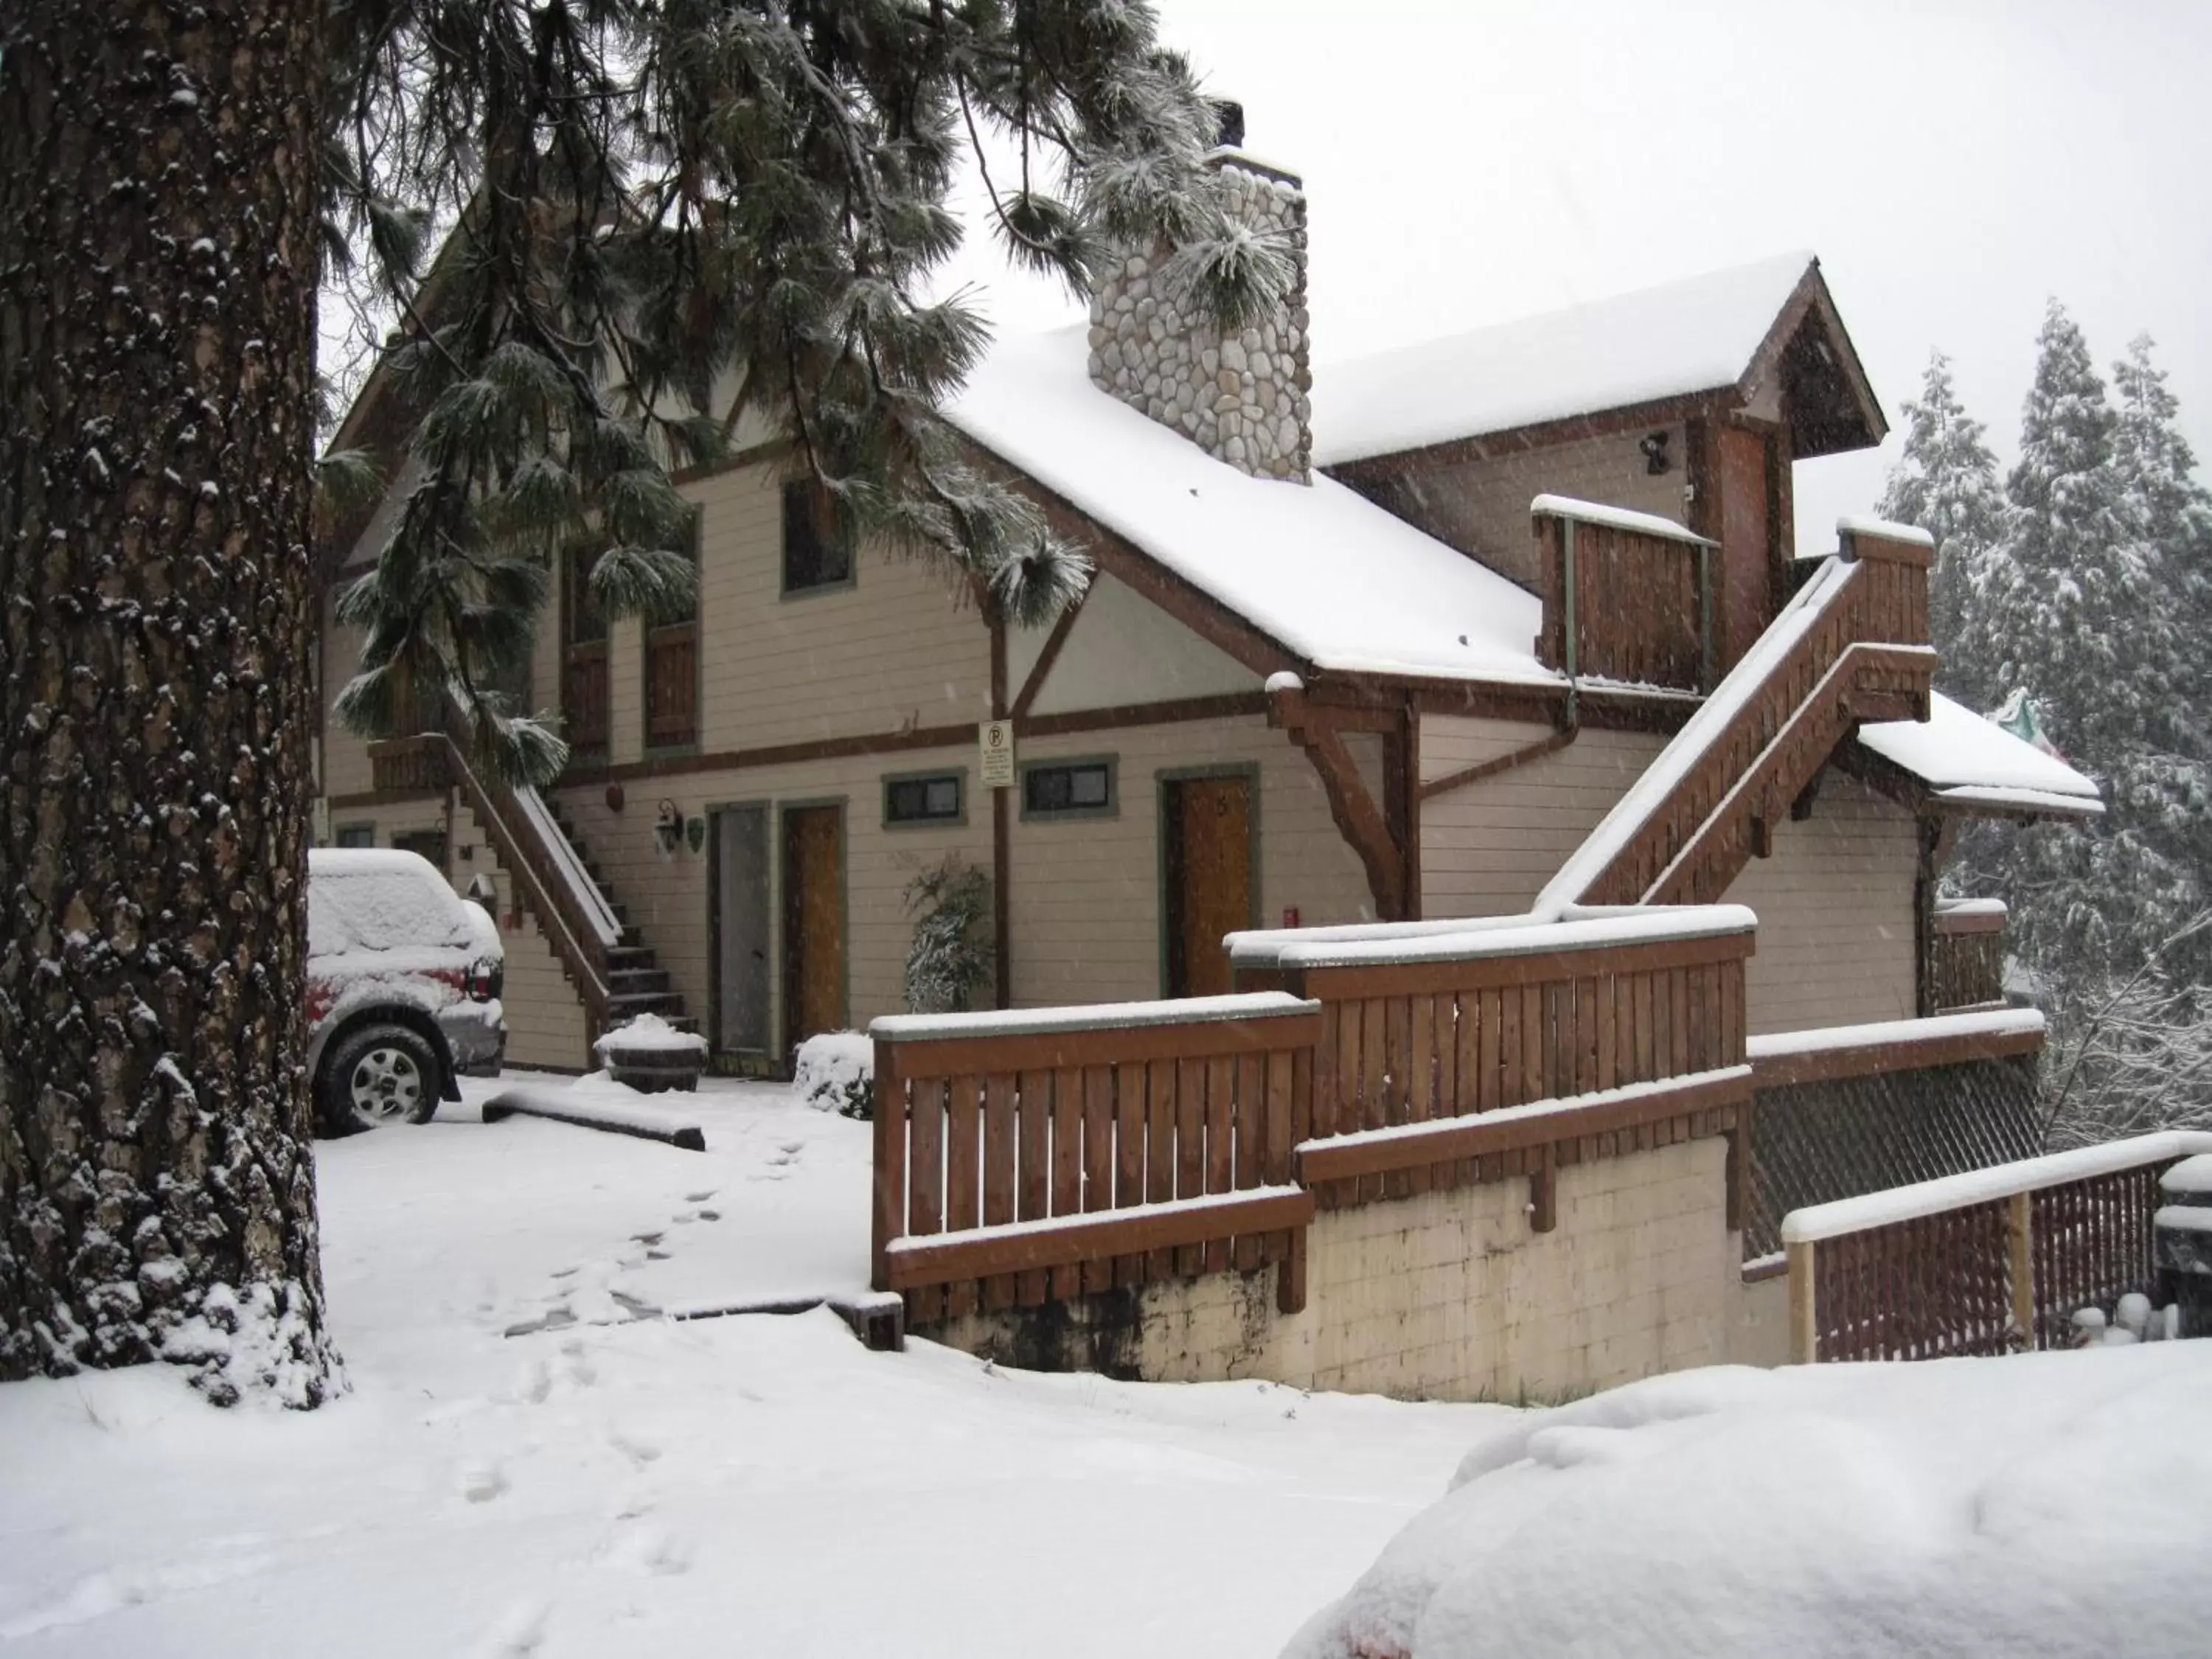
<point>666,1003</point>
<point>630,954</point>
<point>629,982</point>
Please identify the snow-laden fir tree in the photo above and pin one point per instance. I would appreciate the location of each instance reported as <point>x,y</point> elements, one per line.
<point>667,215</point>
<point>1946,481</point>
<point>655,215</point>
<point>2171,514</point>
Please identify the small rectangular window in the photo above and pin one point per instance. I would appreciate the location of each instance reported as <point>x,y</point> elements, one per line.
<point>356,835</point>
<point>1068,789</point>
<point>931,799</point>
<point>817,552</point>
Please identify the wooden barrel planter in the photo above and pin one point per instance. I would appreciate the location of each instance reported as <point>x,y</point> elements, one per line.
<point>652,1056</point>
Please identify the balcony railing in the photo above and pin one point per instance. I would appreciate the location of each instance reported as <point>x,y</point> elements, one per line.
<point>410,766</point>
<point>1966,957</point>
<point>1627,596</point>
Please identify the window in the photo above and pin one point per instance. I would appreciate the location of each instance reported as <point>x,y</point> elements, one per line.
<point>817,553</point>
<point>1068,789</point>
<point>924,797</point>
<point>356,835</point>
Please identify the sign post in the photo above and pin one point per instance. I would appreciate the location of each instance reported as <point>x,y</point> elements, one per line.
<point>996,742</point>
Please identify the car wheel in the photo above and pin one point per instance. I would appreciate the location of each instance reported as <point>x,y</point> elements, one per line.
<point>381,1074</point>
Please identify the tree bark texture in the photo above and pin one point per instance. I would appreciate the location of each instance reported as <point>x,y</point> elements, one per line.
<point>158,177</point>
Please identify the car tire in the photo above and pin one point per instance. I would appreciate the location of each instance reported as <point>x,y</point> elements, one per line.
<point>378,1075</point>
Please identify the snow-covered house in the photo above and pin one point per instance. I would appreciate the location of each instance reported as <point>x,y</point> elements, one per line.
<point>1382,638</point>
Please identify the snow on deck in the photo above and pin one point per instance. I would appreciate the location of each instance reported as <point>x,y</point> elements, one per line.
<point>622,1485</point>
<point>1826,1039</point>
<point>1966,757</point>
<point>1688,336</point>
<point>1336,580</point>
<point>1091,1016</point>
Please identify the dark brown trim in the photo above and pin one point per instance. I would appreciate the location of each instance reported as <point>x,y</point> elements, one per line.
<point>1498,763</point>
<point>1002,846</point>
<point>1442,1140</point>
<point>1950,924</point>
<point>1104,1045</point>
<point>1901,1054</point>
<point>1129,564</point>
<point>1601,707</point>
<point>1547,435</point>
<point>1047,655</point>
<point>1230,705</point>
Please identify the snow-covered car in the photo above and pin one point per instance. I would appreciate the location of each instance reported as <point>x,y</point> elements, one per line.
<point>403,978</point>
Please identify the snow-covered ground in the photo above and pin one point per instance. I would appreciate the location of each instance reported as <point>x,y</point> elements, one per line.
<point>623,1484</point>
<point>2049,1505</point>
<point>534,1461</point>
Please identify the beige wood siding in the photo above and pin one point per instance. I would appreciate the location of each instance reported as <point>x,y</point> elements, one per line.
<point>1123,650</point>
<point>895,649</point>
<point>1481,508</point>
<point>345,757</point>
<point>1835,915</point>
<point>1488,847</point>
<point>544,1016</point>
<point>1086,891</point>
<point>666,895</point>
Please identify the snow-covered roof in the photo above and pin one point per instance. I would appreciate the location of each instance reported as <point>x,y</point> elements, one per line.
<point>1697,334</point>
<point>1973,762</point>
<point>1332,578</point>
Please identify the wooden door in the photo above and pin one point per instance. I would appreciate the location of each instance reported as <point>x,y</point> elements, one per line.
<point>1746,538</point>
<point>741,930</point>
<point>813,921</point>
<point>1208,825</point>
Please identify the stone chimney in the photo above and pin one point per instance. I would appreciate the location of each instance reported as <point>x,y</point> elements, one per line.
<point>1245,399</point>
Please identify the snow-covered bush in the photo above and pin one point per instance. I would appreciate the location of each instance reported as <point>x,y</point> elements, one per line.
<point>951,957</point>
<point>836,1073</point>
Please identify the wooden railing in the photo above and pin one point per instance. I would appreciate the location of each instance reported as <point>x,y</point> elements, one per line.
<point>1966,957</point>
<point>518,836</point>
<point>1713,797</point>
<point>1627,596</point>
<point>672,685</point>
<point>1993,1262</point>
<point>1037,1156</point>
<point>995,1132</point>
<point>410,766</point>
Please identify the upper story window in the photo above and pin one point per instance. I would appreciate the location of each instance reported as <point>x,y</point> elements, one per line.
<point>933,798</point>
<point>1068,789</point>
<point>817,553</point>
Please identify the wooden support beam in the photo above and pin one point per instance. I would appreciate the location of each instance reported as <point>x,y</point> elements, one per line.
<point>1002,848</point>
<point>1498,764</point>
<point>1047,655</point>
<point>2019,1262</point>
<point>1358,819</point>
<point>1804,1324</point>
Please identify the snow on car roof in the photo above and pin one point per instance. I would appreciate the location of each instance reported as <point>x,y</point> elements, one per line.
<point>381,900</point>
<point>1334,578</point>
<point>1697,335</point>
<point>1965,758</point>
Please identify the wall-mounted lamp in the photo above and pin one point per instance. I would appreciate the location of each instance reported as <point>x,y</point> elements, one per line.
<point>1656,459</point>
<point>668,828</point>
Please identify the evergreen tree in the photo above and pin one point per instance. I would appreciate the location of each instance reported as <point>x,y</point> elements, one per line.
<point>668,215</point>
<point>2171,514</point>
<point>659,215</point>
<point>1945,482</point>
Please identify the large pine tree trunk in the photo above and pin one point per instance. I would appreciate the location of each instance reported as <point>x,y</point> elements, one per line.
<point>158,172</point>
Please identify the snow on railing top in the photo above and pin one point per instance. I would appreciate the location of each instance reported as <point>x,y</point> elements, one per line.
<point>1675,762</point>
<point>1095,1017</point>
<point>1990,1022</point>
<point>1979,906</point>
<point>567,867</point>
<point>1616,518</point>
<point>1882,529</point>
<point>1532,1111</point>
<point>1959,1191</point>
<point>1491,936</point>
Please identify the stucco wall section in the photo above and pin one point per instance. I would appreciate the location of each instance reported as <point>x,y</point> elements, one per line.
<point>1487,847</point>
<point>1481,507</point>
<point>1451,1296</point>
<point>346,767</point>
<point>1835,915</point>
<point>1758,1326</point>
<point>1122,649</point>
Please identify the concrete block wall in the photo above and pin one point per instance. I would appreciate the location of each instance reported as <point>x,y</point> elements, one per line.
<point>1448,1295</point>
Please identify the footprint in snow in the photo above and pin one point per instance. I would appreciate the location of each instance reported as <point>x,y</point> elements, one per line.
<point>481,1482</point>
<point>698,1198</point>
<point>710,1215</point>
<point>646,1239</point>
<point>638,1450</point>
<point>685,1220</point>
<point>518,1631</point>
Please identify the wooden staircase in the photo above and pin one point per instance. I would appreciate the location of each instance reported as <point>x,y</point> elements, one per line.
<point>1851,646</point>
<point>636,982</point>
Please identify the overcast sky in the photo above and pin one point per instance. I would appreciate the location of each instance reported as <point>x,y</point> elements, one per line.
<point>1951,164</point>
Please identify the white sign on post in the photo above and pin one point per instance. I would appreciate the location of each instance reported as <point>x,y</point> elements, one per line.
<point>997,739</point>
